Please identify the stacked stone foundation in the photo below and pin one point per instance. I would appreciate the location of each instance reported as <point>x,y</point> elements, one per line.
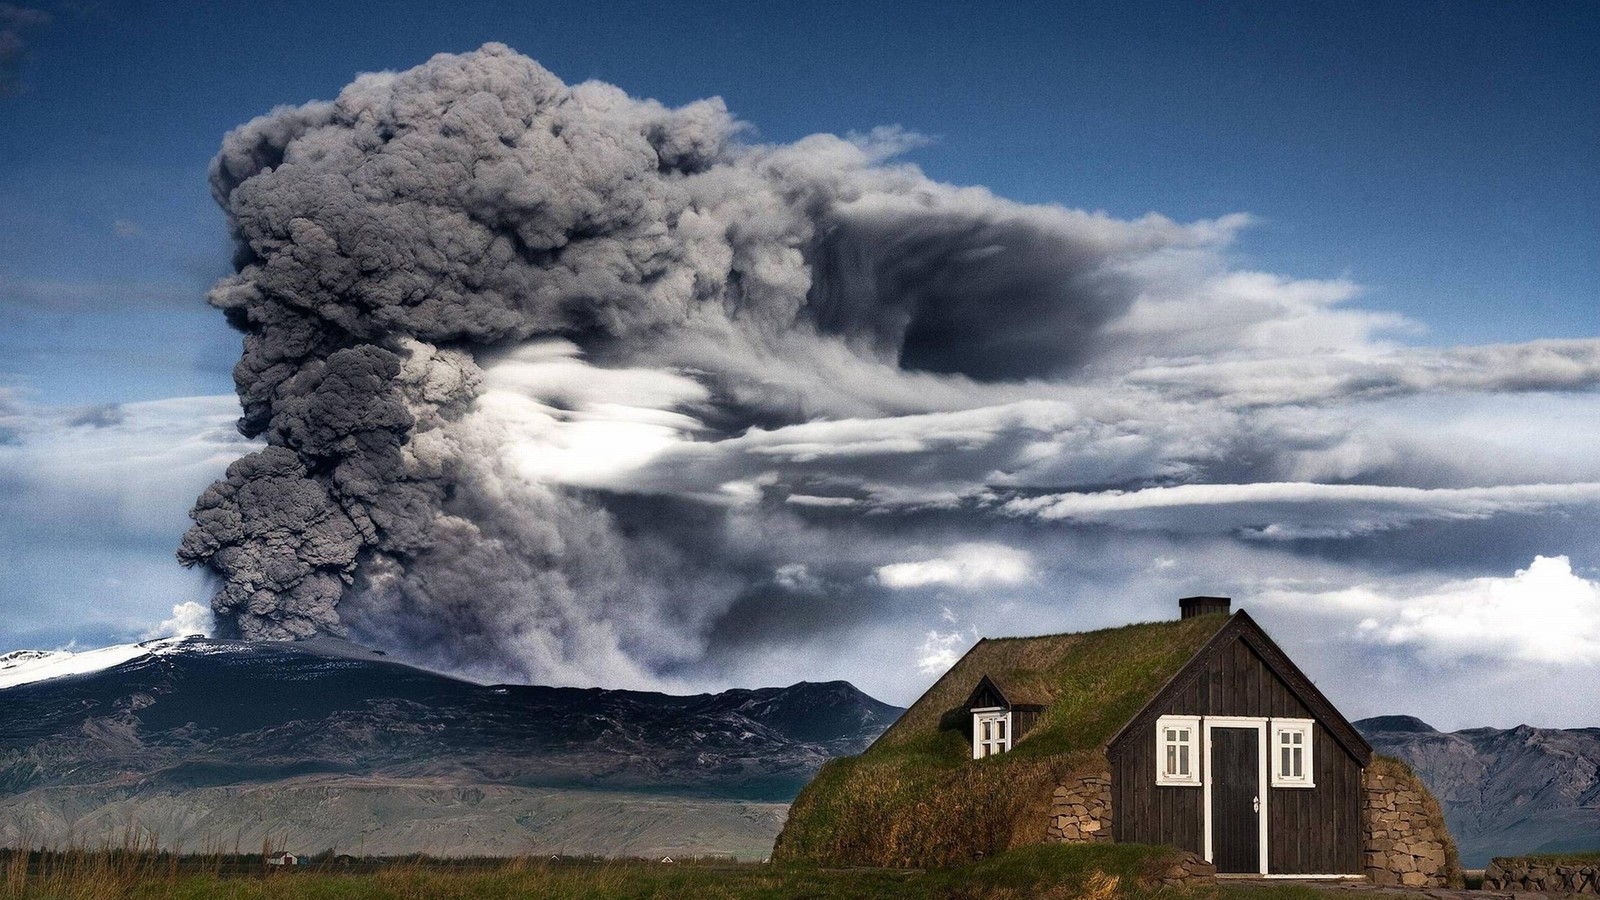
<point>1406,841</point>
<point>1521,874</point>
<point>1081,811</point>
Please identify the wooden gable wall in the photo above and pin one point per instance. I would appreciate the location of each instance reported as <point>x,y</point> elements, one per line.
<point>985,696</point>
<point>1311,830</point>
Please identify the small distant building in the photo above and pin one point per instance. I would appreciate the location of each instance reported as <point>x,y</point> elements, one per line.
<point>666,859</point>
<point>283,858</point>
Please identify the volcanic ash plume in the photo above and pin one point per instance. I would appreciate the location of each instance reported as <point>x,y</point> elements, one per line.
<point>441,273</point>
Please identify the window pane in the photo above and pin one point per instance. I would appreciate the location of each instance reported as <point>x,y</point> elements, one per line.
<point>1172,734</point>
<point>1183,759</point>
<point>1172,759</point>
<point>1283,764</point>
<point>1299,768</point>
<point>1000,729</point>
<point>1183,734</point>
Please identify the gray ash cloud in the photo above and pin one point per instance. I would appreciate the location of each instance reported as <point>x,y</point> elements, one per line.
<point>561,385</point>
<point>393,240</point>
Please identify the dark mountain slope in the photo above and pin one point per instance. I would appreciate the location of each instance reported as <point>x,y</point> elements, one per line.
<point>215,712</point>
<point>220,738</point>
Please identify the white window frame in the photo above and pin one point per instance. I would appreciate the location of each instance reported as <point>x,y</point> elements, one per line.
<point>995,745</point>
<point>1305,728</point>
<point>1163,778</point>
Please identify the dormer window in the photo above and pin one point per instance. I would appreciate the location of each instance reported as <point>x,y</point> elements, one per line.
<point>991,732</point>
<point>1001,712</point>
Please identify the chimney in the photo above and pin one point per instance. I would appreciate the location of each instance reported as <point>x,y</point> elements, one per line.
<point>1203,606</point>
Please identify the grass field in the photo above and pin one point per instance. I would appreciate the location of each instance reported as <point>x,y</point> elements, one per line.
<point>1096,872</point>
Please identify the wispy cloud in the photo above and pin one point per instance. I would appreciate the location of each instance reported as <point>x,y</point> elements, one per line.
<point>1298,510</point>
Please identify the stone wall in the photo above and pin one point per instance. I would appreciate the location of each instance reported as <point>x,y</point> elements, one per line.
<point>1524,874</point>
<point>1081,811</point>
<point>1406,839</point>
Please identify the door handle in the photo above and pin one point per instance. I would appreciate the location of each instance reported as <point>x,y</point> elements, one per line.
<point>1255,803</point>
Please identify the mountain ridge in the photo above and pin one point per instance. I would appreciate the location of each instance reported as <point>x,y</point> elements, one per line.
<point>1504,791</point>
<point>234,726</point>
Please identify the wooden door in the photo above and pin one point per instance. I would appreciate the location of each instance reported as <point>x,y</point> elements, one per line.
<point>1235,800</point>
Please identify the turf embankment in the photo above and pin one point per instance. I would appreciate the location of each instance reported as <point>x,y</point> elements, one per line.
<point>916,798</point>
<point>1094,872</point>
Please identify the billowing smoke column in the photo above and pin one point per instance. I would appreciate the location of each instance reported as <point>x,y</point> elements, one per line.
<point>396,243</point>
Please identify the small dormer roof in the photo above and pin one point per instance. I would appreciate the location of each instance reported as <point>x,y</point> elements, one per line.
<point>1013,694</point>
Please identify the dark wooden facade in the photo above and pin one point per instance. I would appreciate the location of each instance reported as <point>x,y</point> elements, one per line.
<point>1241,672</point>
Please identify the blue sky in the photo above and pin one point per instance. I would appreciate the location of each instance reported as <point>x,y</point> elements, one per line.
<point>1439,160</point>
<point>1442,155</point>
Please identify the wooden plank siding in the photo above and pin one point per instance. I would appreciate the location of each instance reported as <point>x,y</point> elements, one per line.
<point>1311,830</point>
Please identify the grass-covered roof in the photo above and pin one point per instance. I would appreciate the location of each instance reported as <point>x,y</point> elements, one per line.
<point>916,797</point>
<point>1091,682</point>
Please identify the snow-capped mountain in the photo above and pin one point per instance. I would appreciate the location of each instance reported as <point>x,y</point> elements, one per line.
<point>162,731</point>
<point>28,666</point>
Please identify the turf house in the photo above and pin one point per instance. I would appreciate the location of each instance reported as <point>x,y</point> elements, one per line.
<point>1197,732</point>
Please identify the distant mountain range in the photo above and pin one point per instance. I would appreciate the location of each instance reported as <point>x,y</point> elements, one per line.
<point>321,743</point>
<point>1504,791</point>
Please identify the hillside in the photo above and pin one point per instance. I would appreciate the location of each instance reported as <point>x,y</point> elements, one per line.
<point>210,740</point>
<point>1504,791</point>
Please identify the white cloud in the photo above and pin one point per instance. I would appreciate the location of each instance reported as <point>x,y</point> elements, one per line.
<point>1277,510</point>
<point>940,651</point>
<point>968,566</point>
<point>106,494</point>
<point>797,577</point>
<point>1545,613</point>
<point>187,618</point>
<point>566,421</point>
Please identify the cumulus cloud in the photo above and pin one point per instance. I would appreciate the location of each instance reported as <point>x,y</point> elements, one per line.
<point>188,618</point>
<point>559,384</point>
<point>1544,614</point>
